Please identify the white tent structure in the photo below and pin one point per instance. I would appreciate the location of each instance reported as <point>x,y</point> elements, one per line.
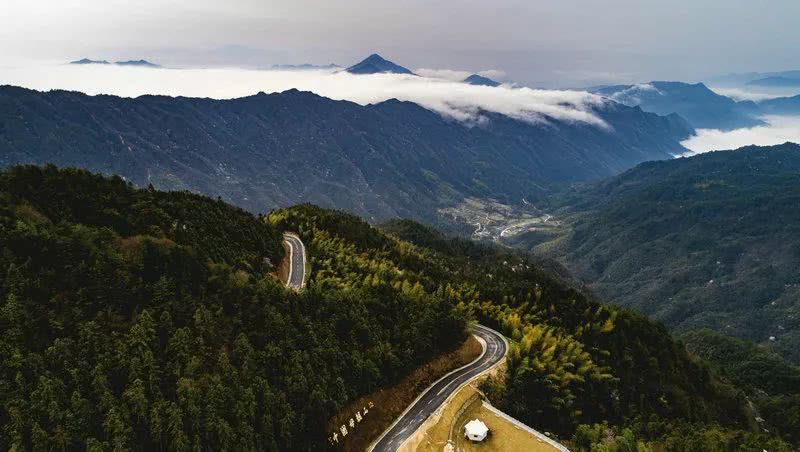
<point>476,430</point>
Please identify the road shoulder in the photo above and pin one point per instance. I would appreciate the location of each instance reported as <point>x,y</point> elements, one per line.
<point>435,430</point>
<point>390,402</point>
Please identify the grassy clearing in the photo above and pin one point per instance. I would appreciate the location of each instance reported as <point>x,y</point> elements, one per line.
<point>503,435</point>
<point>392,401</point>
<point>463,407</point>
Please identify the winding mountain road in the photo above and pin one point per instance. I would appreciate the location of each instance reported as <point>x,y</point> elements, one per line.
<point>297,262</point>
<point>436,395</point>
<point>495,348</point>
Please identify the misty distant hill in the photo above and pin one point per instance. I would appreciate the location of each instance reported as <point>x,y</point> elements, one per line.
<point>380,161</point>
<point>744,78</point>
<point>702,107</point>
<point>88,61</point>
<point>781,106</point>
<point>376,64</point>
<point>480,80</point>
<point>775,82</point>
<point>304,67</point>
<point>140,63</point>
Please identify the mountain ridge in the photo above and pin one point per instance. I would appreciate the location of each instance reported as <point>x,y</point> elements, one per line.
<point>270,150</point>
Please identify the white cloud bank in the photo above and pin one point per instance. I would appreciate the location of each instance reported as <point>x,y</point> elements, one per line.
<point>458,100</point>
<point>779,129</point>
<point>756,94</point>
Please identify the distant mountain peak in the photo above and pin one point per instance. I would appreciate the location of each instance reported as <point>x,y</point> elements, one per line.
<point>376,64</point>
<point>480,80</point>
<point>304,67</point>
<point>88,61</point>
<point>142,63</point>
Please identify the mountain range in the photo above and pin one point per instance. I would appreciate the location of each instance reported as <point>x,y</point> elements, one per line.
<point>380,161</point>
<point>178,278</point>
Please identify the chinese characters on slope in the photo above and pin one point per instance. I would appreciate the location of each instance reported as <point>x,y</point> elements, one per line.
<point>350,425</point>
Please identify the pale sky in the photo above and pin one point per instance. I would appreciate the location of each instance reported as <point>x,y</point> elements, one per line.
<point>537,42</point>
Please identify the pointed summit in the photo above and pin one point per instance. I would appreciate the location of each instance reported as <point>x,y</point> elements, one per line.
<point>476,79</point>
<point>376,64</point>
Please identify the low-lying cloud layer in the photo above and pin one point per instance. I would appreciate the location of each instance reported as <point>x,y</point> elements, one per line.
<point>458,100</point>
<point>457,76</point>
<point>631,96</point>
<point>779,129</point>
<point>755,94</point>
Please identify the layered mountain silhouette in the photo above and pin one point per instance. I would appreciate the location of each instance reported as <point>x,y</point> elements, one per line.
<point>379,161</point>
<point>777,81</point>
<point>746,77</point>
<point>376,64</point>
<point>696,103</point>
<point>781,106</point>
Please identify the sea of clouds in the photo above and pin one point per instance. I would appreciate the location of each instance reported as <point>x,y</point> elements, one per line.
<point>778,130</point>
<point>437,91</point>
<point>755,93</point>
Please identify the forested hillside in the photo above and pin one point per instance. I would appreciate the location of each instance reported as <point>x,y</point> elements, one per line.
<point>148,320</point>
<point>130,324</point>
<point>391,159</point>
<point>772,383</point>
<point>709,241</point>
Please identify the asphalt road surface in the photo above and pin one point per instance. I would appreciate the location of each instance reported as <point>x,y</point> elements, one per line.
<point>297,262</point>
<point>436,395</point>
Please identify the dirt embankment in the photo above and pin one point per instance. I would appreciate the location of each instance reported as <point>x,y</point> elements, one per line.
<point>389,403</point>
<point>433,434</point>
<point>282,272</point>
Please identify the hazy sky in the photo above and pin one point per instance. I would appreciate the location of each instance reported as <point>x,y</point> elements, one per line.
<point>540,42</point>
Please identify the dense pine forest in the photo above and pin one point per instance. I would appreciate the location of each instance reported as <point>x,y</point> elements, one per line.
<point>146,320</point>
<point>136,319</point>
